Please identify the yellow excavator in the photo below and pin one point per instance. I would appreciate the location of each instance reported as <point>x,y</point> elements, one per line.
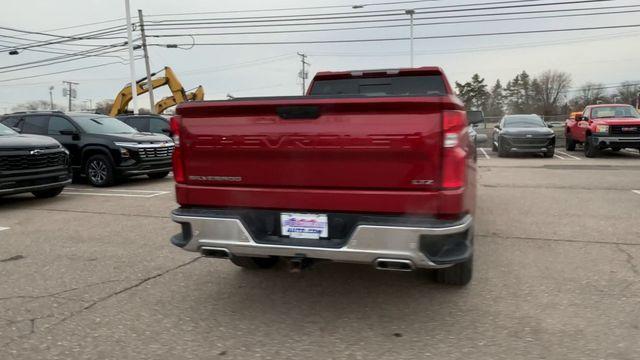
<point>178,94</point>
<point>196,94</point>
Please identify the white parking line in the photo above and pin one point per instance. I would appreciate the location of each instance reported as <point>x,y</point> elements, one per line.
<point>485,153</point>
<point>626,151</point>
<point>4,228</point>
<point>558,156</point>
<point>637,192</point>
<point>113,192</point>
<point>571,156</point>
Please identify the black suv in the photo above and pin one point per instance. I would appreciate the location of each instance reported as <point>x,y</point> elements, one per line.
<point>156,124</point>
<point>32,163</point>
<point>102,148</point>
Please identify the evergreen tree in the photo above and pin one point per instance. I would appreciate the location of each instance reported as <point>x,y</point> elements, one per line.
<point>496,104</point>
<point>473,93</point>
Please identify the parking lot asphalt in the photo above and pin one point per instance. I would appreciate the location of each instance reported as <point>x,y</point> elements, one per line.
<point>91,275</point>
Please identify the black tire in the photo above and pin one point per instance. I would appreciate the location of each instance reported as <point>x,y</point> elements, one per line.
<point>616,149</point>
<point>160,175</point>
<point>570,144</point>
<point>458,274</point>
<point>503,151</point>
<point>550,153</point>
<point>590,150</point>
<point>49,193</point>
<point>99,171</point>
<point>254,263</point>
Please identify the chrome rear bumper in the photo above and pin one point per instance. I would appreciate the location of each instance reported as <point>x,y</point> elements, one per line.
<point>368,244</point>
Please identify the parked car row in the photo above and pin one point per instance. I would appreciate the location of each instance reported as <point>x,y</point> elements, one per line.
<point>41,151</point>
<point>599,127</point>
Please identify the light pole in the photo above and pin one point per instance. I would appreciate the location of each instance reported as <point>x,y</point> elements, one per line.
<point>51,96</point>
<point>411,12</point>
<point>132,65</point>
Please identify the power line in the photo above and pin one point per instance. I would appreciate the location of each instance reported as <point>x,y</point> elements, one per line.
<point>66,71</point>
<point>91,35</point>
<point>399,25</point>
<point>48,50</point>
<point>353,16</point>
<point>404,20</point>
<point>358,13</point>
<point>354,6</point>
<point>36,43</point>
<point>480,49</point>
<point>44,33</point>
<point>63,58</point>
<point>416,38</point>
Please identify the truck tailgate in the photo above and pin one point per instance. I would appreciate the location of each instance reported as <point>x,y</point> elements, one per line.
<point>314,143</point>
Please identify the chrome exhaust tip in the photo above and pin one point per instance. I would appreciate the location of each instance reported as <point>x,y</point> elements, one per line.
<point>213,252</point>
<point>394,265</point>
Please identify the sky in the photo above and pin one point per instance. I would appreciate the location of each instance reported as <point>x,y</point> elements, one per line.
<point>607,56</point>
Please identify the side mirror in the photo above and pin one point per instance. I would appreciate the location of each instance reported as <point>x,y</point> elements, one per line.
<point>496,126</point>
<point>549,126</point>
<point>166,131</point>
<point>16,129</point>
<point>475,117</point>
<point>581,118</point>
<point>69,132</point>
<point>481,138</point>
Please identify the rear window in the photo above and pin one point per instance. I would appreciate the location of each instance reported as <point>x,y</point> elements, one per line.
<point>424,85</point>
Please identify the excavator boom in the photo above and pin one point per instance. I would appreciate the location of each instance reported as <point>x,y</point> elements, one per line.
<point>169,101</point>
<point>170,79</point>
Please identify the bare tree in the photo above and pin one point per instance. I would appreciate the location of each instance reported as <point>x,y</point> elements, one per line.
<point>589,94</point>
<point>36,105</point>
<point>627,93</point>
<point>104,106</point>
<point>549,88</point>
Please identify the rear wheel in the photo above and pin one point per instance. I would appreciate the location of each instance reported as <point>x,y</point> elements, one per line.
<point>458,274</point>
<point>99,171</point>
<point>570,144</point>
<point>159,175</point>
<point>254,262</point>
<point>49,193</point>
<point>590,150</point>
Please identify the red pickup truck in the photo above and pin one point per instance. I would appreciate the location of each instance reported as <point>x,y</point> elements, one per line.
<point>600,127</point>
<point>374,167</point>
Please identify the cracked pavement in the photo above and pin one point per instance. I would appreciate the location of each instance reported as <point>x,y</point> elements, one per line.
<point>557,277</point>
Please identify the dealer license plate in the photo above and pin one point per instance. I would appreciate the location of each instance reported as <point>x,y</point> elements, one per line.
<point>304,226</point>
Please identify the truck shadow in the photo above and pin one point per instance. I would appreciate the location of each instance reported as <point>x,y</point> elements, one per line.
<point>334,296</point>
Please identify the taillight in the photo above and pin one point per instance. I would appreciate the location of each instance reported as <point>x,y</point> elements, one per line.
<point>454,152</point>
<point>178,167</point>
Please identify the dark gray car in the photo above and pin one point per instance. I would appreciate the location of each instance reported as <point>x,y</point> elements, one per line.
<point>523,134</point>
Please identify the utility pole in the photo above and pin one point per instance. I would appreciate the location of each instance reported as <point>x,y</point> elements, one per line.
<point>51,96</point>
<point>411,13</point>
<point>303,73</point>
<point>132,65</point>
<point>146,62</point>
<point>71,92</point>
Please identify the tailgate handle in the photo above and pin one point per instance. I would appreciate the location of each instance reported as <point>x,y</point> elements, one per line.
<point>298,112</point>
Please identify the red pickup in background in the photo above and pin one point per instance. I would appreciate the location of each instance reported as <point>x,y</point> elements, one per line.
<point>600,127</point>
